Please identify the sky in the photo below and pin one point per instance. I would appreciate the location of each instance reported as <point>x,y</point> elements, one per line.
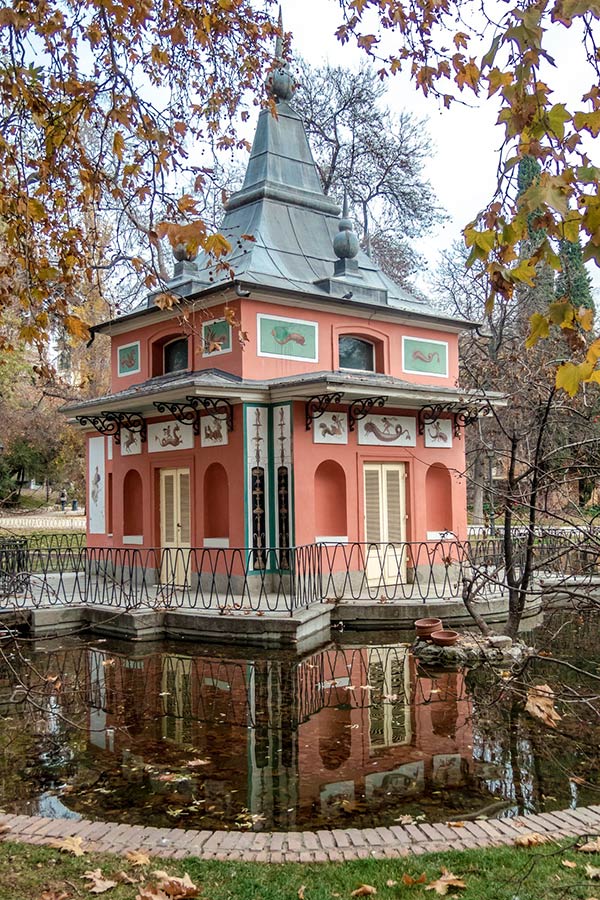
<point>466,139</point>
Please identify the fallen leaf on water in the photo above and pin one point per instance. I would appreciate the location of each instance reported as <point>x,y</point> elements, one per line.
<point>531,840</point>
<point>455,824</point>
<point>446,881</point>
<point>408,880</point>
<point>568,864</point>
<point>577,779</point>
<point>193,763</point>
<point>591,846</point>
<point>540,703</point>
<point>137,857</point>
<point>69,845</point>
<point>301,890</point>
<point>99,884</point>
<point>349,806</point>
<point>592,871</point>
<point>364,890</point>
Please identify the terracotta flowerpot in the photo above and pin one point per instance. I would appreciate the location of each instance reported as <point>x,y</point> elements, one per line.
<point>444,637</point>
<point>424,627</point>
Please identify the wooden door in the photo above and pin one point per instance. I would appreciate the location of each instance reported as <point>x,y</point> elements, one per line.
<point>385,521</point>
<point>175,525</point>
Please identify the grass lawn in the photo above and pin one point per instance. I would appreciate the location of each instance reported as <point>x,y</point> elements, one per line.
<point>506,873</point>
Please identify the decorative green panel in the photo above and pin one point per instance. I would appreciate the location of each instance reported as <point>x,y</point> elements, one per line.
<point>129,359</point>
<point>216,337</point>
<point>287,338</point>
<point>429,357</point>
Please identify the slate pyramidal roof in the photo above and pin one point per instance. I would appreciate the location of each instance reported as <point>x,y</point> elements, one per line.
<point>293,225</point>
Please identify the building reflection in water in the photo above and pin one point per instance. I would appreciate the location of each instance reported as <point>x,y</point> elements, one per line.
<point>285,741</point>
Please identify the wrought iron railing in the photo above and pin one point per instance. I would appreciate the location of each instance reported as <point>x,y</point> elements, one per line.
<point>226,580</point>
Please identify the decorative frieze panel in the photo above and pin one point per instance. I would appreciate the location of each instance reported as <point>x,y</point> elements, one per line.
<point>164,436</point>
<point>439,434</point>
<point>96,486</point>
<point>331,428</point>
<point>393,431</point>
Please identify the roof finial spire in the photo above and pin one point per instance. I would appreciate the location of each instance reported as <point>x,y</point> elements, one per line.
<point>345,243</point>
<point>280,84</point>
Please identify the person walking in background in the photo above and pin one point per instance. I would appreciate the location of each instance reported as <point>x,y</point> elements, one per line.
<point>63,499</point>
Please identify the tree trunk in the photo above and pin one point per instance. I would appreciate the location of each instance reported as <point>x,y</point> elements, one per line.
<point>478,488</point>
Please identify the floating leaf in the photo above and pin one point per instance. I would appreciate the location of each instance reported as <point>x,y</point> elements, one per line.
<point>540,704</point>
<point>194,763</point>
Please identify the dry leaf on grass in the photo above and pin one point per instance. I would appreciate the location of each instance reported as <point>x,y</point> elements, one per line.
<point>408,880</point>
<point>532,840</point>
<point>137,857</point>
<point>99,884</point>
<point>540,704</point>
<point>591,846</point>
<point>568,864</point>
<point>592,872</point>
<point>72,845</point>
<point>301,890</point>
<point>364,890</point>
<point>175,887</point>
<point>124,878</point>
<point>391,883</point>
<point>55,895</point>
<point>446,881</point>
<point>405,820</point>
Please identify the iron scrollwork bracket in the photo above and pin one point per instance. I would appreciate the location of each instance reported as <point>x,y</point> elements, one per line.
<point>320,403</point>
<point>185,413</point>
<point>467,415</point>
<point>361,407</point>
<point>428,415</point>
<point>217,407</point>
<point>111,423</point>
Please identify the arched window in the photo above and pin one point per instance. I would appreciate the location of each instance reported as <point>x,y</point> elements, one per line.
<point>176,356</point>
<point>356,353</point>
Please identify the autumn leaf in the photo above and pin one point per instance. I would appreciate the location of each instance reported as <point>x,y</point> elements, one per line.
<point>568,864</point>
<point>55,895</point>
<point>364,890</point>
<point>118,145</point>
<point>124,878</point>
<point>455,824</point>
<point>446,881</point>
<point>409,881</point>
<point>217,245</point>
<point>99,884</point>
<point>195,763</point>
<point>77,327</point>
<point>532,840</point>
<point>300,891</point>
<point>69,845</point>
<point>174,887</point>
<point>137,857</point>
<point>391,883</point>
<point>592,872</point>
<point>592,846</point>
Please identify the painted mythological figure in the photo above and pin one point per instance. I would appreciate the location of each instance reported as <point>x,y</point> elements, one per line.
<point>336,427</point>
<point>390,431</point>
<point>426,357</point>
<point>170,438</point>
<point>436,434</point>
<point>282,335</point>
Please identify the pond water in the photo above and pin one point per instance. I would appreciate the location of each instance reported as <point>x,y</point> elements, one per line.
<point>354,734</point>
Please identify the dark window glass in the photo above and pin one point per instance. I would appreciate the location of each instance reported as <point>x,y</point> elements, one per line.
<point>356,354</point>
<point>176,356</point>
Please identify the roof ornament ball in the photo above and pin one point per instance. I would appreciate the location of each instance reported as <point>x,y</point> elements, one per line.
<point>345,243</point>
<point>182,253</point>
<point>280,83</point>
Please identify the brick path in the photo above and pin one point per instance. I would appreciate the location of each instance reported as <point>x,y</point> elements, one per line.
<point>303,846</point>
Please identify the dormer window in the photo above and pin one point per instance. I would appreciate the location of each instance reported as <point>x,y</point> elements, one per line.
<point>175,356</point>
<point>356,353</point>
